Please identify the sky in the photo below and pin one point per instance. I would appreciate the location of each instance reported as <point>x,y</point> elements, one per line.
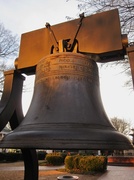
<point>28,15</point>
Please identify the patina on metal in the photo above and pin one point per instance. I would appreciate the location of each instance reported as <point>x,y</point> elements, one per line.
<point>66,111</point>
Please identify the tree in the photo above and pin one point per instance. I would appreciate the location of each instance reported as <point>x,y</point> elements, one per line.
<point>125,7</point>
<point>1,82</point>
<point>126,13</point>
<point>8,49</point>
<point>8,43</point>
<point>121,125</point>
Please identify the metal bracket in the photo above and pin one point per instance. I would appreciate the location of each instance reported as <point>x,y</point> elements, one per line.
<point>65,44</point>
<point>73,40</point>
<point>53,38</point>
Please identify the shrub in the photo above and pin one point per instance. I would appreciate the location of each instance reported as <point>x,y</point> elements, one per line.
<point>12,157</point>
<point>86,164</point>
<point>69,162</point>
<point>41,155</point>
<point>54,159</point>
<point>63,154</point>
<point>76,160</point>
<point>2,156</point>
<point>93,163</point>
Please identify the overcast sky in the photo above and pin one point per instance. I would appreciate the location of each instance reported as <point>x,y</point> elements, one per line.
<point>28,15</point>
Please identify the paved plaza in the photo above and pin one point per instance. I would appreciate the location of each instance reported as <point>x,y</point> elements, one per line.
<point>15,171</point>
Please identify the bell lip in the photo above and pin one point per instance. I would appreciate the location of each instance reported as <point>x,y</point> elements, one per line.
<point>48,147</point>
<point>62,141</point>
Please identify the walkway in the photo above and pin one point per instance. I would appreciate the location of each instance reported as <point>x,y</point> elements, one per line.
<point>15,171</point>
<point>118,173</point>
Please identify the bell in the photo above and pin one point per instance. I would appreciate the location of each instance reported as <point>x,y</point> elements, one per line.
<point>66,111</point>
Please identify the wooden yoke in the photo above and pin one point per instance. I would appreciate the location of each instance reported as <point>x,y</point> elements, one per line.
<point>96,34</point>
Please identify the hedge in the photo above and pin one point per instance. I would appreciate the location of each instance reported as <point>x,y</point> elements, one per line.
<point>54,159</point>
<point>41,155</point>
<point>10,157</point>
<point>85,164</point>
<point>15,156</point>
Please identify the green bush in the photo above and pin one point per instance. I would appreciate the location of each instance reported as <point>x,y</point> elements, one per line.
<point>2,156</point>
<point>76,162</point>
<point>69,162</point>
<point>63,154</point>
<point>86,164</point>
<point>92,163</point>
<point>12,157</point>
<point>54,159</point>
<point>41,155</point>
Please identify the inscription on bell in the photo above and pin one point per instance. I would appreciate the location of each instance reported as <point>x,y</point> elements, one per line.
<point>75,67</point>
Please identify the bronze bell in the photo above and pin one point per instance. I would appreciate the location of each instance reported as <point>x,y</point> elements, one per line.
<point>66,111</point>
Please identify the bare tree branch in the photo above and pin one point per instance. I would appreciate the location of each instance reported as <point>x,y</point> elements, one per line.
<point>8,49</point>
<point>121,125</point>
<point>8,43</point>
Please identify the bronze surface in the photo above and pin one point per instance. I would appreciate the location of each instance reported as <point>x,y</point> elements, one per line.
<point>66,111</point>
